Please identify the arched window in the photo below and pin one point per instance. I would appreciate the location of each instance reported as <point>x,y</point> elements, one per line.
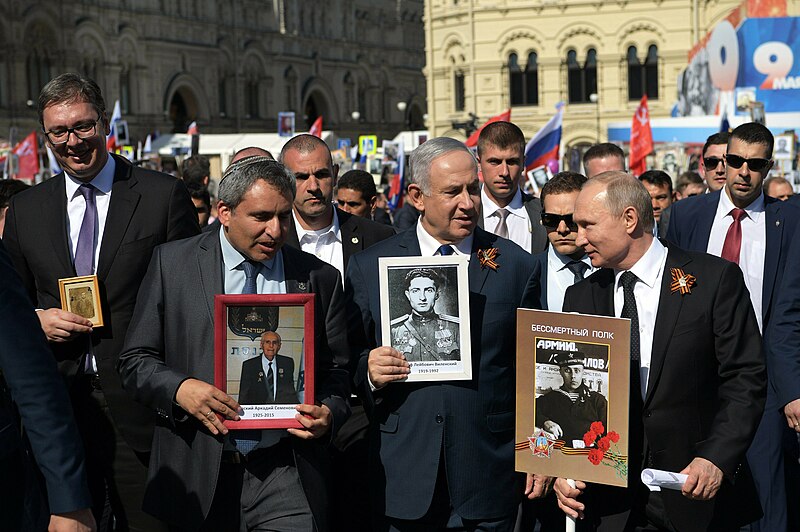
<point>459,91</point>
<point>251,98</point>
<point>532,80</point>
<point>582,80</point>
<point>642,77</point>
<point>524,85</point>
<point>516,81</point>
<point>125,92</point>
<point>38,73</point>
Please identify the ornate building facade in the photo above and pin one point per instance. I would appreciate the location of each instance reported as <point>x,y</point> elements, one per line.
<point>484,56</point>
<point>230,65</point>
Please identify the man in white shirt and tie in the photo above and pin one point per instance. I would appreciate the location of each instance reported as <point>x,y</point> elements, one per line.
<point>564,263</point>
<point>507,211</point>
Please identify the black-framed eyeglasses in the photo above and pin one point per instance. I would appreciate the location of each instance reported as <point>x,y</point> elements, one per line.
<point>552,221</point>
<point>712,162</point>
<point>756,164</point>
<point>83,131</point>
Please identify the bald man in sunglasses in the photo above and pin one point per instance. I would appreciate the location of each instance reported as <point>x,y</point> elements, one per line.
<point>739,223</point>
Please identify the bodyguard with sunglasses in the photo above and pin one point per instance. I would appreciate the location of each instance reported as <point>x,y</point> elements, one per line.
<point>739,223</point>
<point>100,216</point>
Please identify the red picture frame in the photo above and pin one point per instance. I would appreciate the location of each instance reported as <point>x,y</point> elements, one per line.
<point>253,317</point>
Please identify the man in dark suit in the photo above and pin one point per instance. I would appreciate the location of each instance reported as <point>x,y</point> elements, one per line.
<point>100,216</point>
<point>697,371</point>
<point>268,379</point>
<point>507,211</point>
<point>765,227</point>
<point>564,262</point>
<point>436,444</point>
<point>264,478</point>
<point>320,228</point>
<point>28,375</point>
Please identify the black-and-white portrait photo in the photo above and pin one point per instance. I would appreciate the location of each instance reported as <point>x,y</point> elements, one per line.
<point>571,388</point>
<point>426,308</point>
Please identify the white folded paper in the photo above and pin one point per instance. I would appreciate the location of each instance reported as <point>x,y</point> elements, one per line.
<point>655,479</point>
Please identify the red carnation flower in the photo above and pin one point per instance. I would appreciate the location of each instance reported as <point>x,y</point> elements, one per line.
<point>596,456</point>
<point>597,427</point>
<point>604,444</point>
<point>589,438</point>
<point>613,436</point>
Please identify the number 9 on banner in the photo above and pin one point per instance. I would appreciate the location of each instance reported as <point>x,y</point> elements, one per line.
<point>775,59</point>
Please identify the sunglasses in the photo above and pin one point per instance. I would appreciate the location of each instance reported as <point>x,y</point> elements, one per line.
<point>552,221</point>
<point>756,165</point>
<point>712,162</point>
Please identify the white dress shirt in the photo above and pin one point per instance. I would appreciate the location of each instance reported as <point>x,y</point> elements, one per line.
<point>519,225</point>
<point>754,244</point>
<point>650,271</point>
<point>559,277</point>
<point>265,366</point>
<point>270,278</point>
<point>325,243</point>
<point>429,246</point>
<point>76,206</point>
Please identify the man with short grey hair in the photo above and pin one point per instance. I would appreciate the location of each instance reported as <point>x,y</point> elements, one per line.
<point>270,479</point>
<point>438,443</point>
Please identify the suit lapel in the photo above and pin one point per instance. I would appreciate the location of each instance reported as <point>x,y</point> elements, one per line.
<point>58,235</point>
<point>669,308</point>
<point>352,239</point>
<point>295,272</point>
<point>705,220</point>
<point>534,217</point>
<point>774,232</point>
<point>603,293</point>
<point>120,212</point>
<point>291,236</point>
<point>209,264</point>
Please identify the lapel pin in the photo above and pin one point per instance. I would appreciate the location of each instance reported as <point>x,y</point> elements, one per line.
<point>354,240</point>
<point>681,282</point>
<point>777,222</point>
<point>301,286</point>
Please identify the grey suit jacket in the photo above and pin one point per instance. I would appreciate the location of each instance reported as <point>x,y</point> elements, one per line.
<point>171,339</point>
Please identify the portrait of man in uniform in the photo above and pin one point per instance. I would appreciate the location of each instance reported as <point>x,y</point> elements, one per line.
<point>423,335</point>
<point>568,411</point>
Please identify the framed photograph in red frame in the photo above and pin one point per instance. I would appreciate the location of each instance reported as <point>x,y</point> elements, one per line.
<point>264,356</point>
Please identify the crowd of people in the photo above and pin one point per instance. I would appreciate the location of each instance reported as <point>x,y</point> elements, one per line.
<point>123,429</point>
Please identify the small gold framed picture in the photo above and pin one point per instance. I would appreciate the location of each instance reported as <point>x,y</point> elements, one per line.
<point>81,296</point>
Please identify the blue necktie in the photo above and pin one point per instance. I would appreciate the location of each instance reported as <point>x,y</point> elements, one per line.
<point>84,252</point>
<point>246,440</point>
<point>445,250</point>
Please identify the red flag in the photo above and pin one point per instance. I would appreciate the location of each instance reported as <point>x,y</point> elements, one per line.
<point>472,141</point>
<point>641,138</point>
<point>27,152</point>
<point>316,128</point>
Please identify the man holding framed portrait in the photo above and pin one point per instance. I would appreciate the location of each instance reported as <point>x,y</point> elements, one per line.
<point>204,476</point>
<point>436,441</point>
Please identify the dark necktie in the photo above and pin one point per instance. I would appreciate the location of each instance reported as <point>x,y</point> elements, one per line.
<point>84,252</point>
<point>733,239</point>
<point>636,432</point>
<point>502,225</point>
<point>445,250</point>
<point>578,269</point>
<point>270,383</point>
<point>246,440</point>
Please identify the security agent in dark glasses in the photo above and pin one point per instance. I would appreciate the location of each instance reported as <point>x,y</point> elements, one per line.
<point>563,263</point>
<point>739,223</point>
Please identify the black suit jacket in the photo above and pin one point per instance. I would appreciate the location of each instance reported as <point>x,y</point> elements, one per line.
<point>469,423</point>
<point>147,208</point>
<point>358,234</point>
<point>533,206</point>
<point>706,388</point>
<point>171,339</point>
<point>28,369</point>
<point>253,389</point>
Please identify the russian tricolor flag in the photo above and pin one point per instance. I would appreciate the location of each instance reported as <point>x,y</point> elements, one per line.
<point>543,147</point>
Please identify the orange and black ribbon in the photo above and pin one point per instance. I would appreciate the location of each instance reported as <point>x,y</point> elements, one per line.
<point>488,258</point>
<point>682,282</point>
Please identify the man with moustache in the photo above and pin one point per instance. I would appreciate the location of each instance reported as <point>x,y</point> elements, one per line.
<point>203,476</point>
<point>507,211</point>
<point>436,443</point>
<point>319,227</point>
<point>700,362</point>
<point>742,225</point>
<point>101,216</point>
<point>564,263</point>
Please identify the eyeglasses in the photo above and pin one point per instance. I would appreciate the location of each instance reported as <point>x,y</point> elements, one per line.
<point>83,131</point>
<point>552,221</point>
<point>755,165</point>
<point>712,162</point>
